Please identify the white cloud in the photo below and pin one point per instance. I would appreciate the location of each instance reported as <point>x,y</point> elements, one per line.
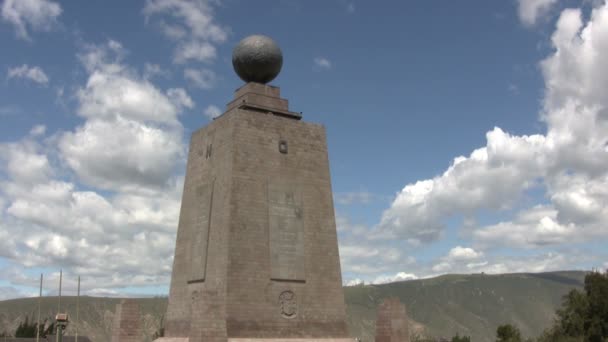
<point>38,130</point>
<point>152,70</point>
<point>38,15</point>
<point>119,153</point>
<point>346,198</point>
<point>400,276</point>
<point>531,10</point>
<point>194,50</point>
<point>459,253</point>
<point>106,239</point>
<point>362,255</point>
<point>458,257</point>
<point>203,78</point>
<point>102,200</point>
<point>25,162</point>
<point>192,26</point>
<point>212,112</point>
<point>109,95</point>
<point>539,262</point>
<point>322,63</point>
<point>34,73</point>
<point>197,16</point>
<point>132,137</point>
<point>569,162</point>
<point>353,282</point>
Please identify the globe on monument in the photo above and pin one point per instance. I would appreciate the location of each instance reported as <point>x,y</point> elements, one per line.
<point>257,58</point>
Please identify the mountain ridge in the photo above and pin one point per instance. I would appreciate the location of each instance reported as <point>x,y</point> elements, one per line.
<point>467,304</point>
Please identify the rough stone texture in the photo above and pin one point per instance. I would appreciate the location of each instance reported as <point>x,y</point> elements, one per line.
<point>257,58</point>
<point>185,339</point>
<point>127,325</point>
<point>256,252</point>
<point>391,322</point>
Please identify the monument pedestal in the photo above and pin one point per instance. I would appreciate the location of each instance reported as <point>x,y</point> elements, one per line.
<point>186,339</point>
<point>256,255</point>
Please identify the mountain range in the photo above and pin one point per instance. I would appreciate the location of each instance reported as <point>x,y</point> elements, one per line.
<point>467,304</point>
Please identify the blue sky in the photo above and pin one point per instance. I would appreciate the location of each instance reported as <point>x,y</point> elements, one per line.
<point>464,137</point>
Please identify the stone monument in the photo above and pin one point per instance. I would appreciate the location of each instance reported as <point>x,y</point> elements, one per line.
<point>127,322</point>
<point>256,256</point>
<point>391,322</point>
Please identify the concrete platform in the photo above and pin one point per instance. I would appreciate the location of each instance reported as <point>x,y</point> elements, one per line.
<point>186,339</point>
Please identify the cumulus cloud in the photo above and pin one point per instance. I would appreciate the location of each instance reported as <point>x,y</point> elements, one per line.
<point>458,256</point>
<point>463,253</point>
<point>38,130</point>
<point>569,162</point>
<point>25,162</point>
<point>194,50</point>
<point>192,26</point>
<point>107,238</point>
<point>35,74</point>
<point>120,152</point>
<point>322,63</point>
<point>37,15</point>
<point>203,78</point>
<point>101,200</point>
<point>399,276</point>
<point>212,112</point>
<point>362,257</point>
<point>152,70</point>
<point>531,10</point>
<point>132,137</point>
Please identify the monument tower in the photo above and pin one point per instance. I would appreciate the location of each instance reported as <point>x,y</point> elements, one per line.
<point>256,256</point>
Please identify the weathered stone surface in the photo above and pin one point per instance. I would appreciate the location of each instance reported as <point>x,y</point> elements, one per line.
<point>257,58</point>
<point>127,324</point>
<point>256,252</point>
<point>391,322</point>
<point>186,339</point>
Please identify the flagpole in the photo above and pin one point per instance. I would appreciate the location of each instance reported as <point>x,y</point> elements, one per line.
<point>39,299</point>
<point>58,327</point>
<point>59,305</point>
<point>77,308</point>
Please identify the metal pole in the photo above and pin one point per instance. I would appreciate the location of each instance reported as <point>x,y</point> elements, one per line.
<point>39,299</point>
<point>77,308</point>
<point>58,327</point>
<point>59,305</point>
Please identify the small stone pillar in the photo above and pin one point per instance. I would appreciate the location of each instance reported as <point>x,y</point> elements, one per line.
<point>391,322</point>
<point>127,322</point>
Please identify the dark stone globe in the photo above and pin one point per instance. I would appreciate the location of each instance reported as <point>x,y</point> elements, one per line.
<point>257,58</point>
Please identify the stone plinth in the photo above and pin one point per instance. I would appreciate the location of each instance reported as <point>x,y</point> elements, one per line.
<point>185,339</point>
<point>392,322</point>
<point>256,255</point>
<point>127,322</point>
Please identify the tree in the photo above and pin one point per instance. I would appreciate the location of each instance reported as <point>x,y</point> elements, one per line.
<point>571,317</point>
<point>458,338</point>
<point>508,333</point>
<point>596,320</point>
<point>583,315</point>
<point>161,330</point>
<point>26,329</point>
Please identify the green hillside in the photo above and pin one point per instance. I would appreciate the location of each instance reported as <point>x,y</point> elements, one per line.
<point>471,305</point>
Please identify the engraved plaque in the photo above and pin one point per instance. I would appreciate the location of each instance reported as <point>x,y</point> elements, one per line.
<point>286,232</point>
<point>288,304</point>
<point>200,233</point>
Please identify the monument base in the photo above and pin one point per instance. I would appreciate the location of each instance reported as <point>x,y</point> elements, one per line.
<point>186,339</point>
